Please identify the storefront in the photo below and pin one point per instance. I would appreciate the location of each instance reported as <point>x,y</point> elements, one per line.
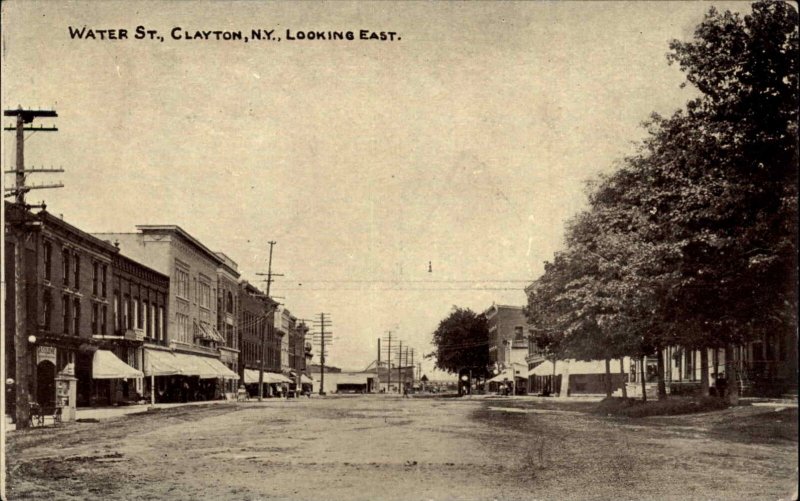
<point>182,377</point>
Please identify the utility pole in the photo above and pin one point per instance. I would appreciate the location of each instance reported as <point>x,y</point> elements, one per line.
<point>324,339</point>
<point>389,363</point>
<point>413,376</point>
<point>264,324</point>
<point>400,369</point>
<point>22,344</point>
<point>378,367</point>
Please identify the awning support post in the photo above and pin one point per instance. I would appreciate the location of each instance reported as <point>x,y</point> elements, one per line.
<point>152,389</point>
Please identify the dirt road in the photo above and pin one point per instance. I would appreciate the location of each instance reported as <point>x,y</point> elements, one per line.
<point>370,448</point>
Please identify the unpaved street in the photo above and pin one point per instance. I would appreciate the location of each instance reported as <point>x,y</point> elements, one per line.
<point>374,447</point>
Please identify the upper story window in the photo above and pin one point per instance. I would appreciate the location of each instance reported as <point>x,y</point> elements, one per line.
<point>205,295</point>
<point>77,268</point>
<point>47,309</point>
<point>65,310</point>
<point>65,266</point>
<point>181,283</point>
<point>229,303</point>
<point>76,316</point>
<point>48,261</point>
<point>117,316</point>
<point>95,277</point>
<point>103,273</point>
<point>519,334</point>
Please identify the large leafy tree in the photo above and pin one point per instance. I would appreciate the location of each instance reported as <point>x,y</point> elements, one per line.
<point>693,240</point>
<point>461,341</point>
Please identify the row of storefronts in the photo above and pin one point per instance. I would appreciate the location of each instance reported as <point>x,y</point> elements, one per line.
<point>149,316</point>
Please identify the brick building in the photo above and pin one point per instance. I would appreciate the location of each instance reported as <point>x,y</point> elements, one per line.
<point>257,319</point>
<point>140,309</point>
<point>67,284</point>
<point>228,316</point>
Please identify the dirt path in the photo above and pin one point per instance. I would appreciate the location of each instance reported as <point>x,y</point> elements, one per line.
<point>368,448</point>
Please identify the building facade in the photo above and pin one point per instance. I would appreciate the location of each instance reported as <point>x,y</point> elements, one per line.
<point>228,316</point>
<point>140,311</point>
<point>257,326</point>
<point>66,285</point>
<point>193,341</point>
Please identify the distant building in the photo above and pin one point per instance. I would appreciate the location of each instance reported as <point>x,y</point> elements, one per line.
<point>228,316</point>
<point>508,341</point>
<point>256,326</point>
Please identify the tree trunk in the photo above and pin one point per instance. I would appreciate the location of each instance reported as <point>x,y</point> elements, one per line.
<point>644,388</point>
<point>662,386</point>
<point>609,389</point>
<point>704,390</point>
<point>565,380</point>
<point>732,382</point>
<point>624,383</point>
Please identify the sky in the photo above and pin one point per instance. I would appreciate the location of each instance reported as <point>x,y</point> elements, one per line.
<point>398,178</point>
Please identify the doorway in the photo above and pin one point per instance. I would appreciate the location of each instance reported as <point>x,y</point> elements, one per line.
<point>45,384</point>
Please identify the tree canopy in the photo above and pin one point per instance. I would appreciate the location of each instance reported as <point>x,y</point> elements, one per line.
<point>692,240</point>
<point>461,341</point>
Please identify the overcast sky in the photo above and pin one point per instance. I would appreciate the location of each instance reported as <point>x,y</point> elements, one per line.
<point>465,144</point>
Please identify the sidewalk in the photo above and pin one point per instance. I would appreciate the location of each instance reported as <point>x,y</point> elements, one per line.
<point>102,413</point>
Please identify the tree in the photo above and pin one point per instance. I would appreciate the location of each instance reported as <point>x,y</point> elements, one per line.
<point>461,341</point>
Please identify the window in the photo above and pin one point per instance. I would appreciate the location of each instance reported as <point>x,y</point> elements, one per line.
<point>126,312</point>
<point>95,277</point>
<point>117,319</point>
<point>135,320</point>
<point>182,323</point>
<point>77,269</point>
<point>182,283</point>
<point>161,333</point>
<point>95,317</point>
<point>65,314</point>
<point>518,333</point>
<point>153,313</point>
<point>205,295</point>
<point>146,326</point>
<point>76,316</point>
<point>65,266</point>
<point>103,272</point>
<point>103,319</point>
<point>48,260</point>
<point>47,310</point>
<point>229,303</point>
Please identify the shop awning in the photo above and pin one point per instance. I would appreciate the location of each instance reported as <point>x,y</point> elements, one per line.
<point>277,378</point>
<point>220,368</point>
<point>251,377</point>
<point>192,365</point>
<point>160,363</point>
<point>521,372</point>
<point>106,365</point>
<point>305,379</point>
<point>207,331</point>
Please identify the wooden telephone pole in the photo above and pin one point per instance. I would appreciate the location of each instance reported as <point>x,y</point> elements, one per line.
<point>23,355</point>
<point>324,338</point>
<point>265,323</point>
